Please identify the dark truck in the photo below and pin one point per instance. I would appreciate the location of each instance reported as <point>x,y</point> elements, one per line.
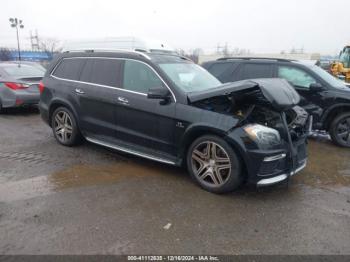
<point>323,96</point>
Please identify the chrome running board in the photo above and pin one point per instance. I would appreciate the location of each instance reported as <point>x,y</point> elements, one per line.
<point>133,152</point>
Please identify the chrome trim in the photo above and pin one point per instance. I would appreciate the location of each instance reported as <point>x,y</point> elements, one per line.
<point>95,141</point>
<point>272,180</point>
<point>299,168</point>
<point>111,87</point>
<point>310,124</point>
<point>280,178</point>
<point>79,91</point>
<point>87,83</point>
<point>275,157</point>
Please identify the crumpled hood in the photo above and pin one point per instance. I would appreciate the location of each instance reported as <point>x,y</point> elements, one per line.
<point>276,91</point>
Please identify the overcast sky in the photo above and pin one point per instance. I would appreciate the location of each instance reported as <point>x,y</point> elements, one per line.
<point>259,25</point>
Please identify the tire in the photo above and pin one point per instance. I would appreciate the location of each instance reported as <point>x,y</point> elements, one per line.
<point>340,130</point>
<point>203,167</point>
<point>65,128</point>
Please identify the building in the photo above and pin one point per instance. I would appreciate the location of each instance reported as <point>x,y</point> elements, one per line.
<point>26,55</point>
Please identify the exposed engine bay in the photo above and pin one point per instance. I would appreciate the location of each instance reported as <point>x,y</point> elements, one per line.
<point>250,106</point>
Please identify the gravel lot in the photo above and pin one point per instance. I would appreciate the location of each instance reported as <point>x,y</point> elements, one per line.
<point>89,200</point>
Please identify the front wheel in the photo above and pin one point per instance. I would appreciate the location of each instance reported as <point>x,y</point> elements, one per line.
<point>64,127</point>
<point>340,130</point>
<point>214,165</point>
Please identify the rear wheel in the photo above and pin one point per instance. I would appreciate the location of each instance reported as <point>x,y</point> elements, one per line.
<point>340,130</point>
<point>214,165</point>
<point>64,127</point>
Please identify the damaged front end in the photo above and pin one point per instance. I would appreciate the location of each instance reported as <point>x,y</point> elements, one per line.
<point>271,130</point>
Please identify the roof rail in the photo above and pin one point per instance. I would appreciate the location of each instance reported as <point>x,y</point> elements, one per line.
<point>92,50</point>
<point>185,58</point>
<point>255,58</point>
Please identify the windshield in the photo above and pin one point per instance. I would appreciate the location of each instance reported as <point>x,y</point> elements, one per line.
<point>334,82</point>
<point>24,71</point>
<point>190,77</point>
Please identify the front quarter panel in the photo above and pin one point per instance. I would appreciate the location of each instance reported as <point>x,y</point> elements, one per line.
<point>250,152</point>
<point>192,121</point>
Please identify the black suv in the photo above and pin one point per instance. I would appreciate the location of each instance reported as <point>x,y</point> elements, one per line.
<point>324,97</point>
<point>166,108</point>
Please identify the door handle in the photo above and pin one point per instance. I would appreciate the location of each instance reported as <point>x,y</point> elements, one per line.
<point>123,100</point>
<point>79,91</point>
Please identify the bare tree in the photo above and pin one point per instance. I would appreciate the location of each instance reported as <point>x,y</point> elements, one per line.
<point>181,52</point>
<point>241,51</point>
<point>226,51</point>
<point>194,54</point>
<point>50,45</point>
<point>5,54</point>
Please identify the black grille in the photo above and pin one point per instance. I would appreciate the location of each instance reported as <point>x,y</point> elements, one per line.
<point>272,167</point>
<point>302,154</point>
<point>301,151</point>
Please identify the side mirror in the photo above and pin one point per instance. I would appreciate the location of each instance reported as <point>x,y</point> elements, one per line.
<point>315,87</point>
<point>158,93</point>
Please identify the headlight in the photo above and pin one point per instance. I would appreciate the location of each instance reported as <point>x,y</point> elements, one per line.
<point>262,134</point>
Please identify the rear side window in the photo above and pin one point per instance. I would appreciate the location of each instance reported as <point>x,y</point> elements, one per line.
<point>219,68</point>
<point>102,71</point>
<point>223,71</point>
<point>69,68</point>
<point>251,71</point>
<point>139,77</point>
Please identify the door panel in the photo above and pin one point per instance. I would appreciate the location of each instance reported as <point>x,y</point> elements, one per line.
<point>145,122</point>
<point>97,93</point>
<point>142,121</point>
<point>97,111</point>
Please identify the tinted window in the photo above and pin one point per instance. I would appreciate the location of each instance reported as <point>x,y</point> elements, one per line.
<point>295,76</point>
<point>219,68</point>
<point>139,77</point>
<point>85,75</point>
<point>69,69</point>
<point>103,72</point>
<point>250,71</point>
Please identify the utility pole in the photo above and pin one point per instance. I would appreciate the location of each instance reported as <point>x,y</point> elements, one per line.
<point>17,23</point>
<point>219,48</point>
<point>34,41</point>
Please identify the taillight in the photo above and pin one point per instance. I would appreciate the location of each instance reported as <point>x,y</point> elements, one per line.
<point>41,87</point>
<point>16,86</point>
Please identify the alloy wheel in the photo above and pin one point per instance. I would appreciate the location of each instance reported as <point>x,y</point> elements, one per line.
<point>343,130</point>
<point>63,126</point>
<point>211,163</point>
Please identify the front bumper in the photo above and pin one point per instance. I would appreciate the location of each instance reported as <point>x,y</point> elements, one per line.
<point>280,178</point>
<point>270,166</point>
